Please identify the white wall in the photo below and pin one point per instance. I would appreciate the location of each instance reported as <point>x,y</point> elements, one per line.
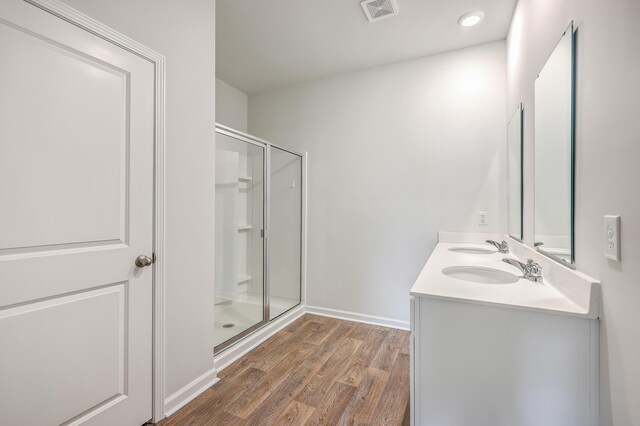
<point>607,172</point>
<point>231,106</point>
<point>396,153</point>
<point>185,33</point>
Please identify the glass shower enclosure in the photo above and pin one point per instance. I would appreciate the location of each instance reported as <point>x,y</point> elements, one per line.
<point>258,226</point>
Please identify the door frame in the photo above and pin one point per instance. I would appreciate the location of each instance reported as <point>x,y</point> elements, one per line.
<point>74,17</point>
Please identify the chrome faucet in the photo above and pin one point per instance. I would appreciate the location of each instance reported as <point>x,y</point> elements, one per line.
<point>530,270</point>
<point>502,247</point>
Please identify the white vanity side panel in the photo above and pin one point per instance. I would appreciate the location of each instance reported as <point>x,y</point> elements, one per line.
<point>413,373</point>
<point>595,372</point>
<point>486,366</point>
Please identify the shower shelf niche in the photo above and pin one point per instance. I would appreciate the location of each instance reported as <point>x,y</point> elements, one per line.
<point>244,278</point>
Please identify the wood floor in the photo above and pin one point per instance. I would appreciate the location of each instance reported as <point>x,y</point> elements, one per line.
<point>317,370</point>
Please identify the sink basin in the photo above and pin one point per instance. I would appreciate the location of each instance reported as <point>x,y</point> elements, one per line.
<point>477,274</point>
<point>472,250</point>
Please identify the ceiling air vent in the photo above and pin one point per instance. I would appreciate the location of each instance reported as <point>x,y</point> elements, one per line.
<point>379,9</point>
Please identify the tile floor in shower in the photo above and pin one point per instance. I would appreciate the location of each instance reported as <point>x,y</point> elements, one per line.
<point>243,312</point>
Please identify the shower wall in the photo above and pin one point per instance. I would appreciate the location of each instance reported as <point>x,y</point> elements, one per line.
<point>239,246</point>
<point>227,171</point>
<point>239,218</point>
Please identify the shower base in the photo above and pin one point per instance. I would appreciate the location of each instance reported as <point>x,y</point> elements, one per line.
<point>233,316</point>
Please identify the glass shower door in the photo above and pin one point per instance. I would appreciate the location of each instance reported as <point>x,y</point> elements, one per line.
<point>239,305</point>
<point>285,231</point>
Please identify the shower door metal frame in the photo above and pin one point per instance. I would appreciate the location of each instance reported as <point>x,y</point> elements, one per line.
<point>266,145</point>
<point>227,131</point>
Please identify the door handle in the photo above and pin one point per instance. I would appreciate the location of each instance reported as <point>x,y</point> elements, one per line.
<point>142,261</point>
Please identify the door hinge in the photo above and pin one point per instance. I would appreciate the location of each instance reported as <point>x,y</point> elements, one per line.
<point>262,233</point>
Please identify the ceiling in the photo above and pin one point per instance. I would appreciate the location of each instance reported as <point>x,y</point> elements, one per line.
<point>264,44</point>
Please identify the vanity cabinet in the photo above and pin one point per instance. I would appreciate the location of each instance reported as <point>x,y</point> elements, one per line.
<point>477,364</point>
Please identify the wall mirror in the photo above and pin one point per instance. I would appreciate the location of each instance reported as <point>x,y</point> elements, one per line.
<point>514,174</point>
<point>554,148</point>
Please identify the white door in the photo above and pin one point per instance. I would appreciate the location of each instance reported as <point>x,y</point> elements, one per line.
<point>76,209</point>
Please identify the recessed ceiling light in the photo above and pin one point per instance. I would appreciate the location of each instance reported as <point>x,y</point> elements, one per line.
<point>470,19</point>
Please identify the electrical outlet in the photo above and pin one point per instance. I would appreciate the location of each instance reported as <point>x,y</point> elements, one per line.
<point>483,219</point>
<point>612,237</point>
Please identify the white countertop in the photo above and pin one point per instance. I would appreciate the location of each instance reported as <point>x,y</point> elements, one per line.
<point>579,297</point>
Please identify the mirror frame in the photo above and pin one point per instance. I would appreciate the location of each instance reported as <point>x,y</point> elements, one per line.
<point>519,111</point>
<point>572,264</point>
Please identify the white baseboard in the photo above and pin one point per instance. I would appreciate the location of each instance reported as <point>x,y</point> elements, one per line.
<point>250,342</point>
<point>190,391</point>
<point>354,316</point>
